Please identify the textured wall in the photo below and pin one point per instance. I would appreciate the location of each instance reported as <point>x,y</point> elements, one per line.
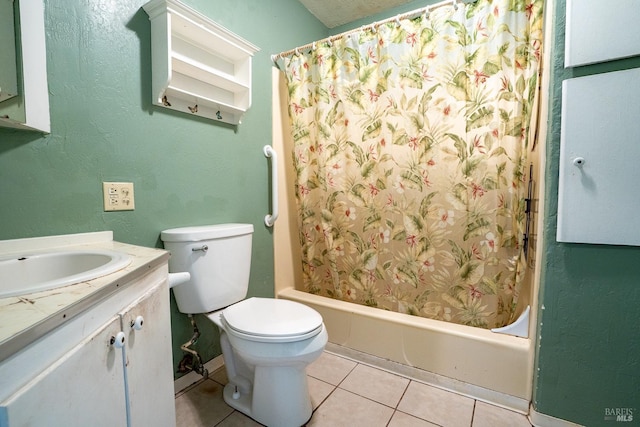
<point>589,340</point>
<point>186,170</point>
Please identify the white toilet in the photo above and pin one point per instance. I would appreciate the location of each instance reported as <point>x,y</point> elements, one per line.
<point>266,343</point>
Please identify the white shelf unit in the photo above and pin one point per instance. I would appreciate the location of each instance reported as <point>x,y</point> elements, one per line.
<point>198,66</point>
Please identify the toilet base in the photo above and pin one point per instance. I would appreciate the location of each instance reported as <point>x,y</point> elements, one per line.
<point>241,403</point>
<point>280,397</point>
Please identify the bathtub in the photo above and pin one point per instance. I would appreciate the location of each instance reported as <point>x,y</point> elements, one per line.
<point>476,362</point>
<point>493,367</point>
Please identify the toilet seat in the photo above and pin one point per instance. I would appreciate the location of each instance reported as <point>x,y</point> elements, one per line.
<point>271,320</point>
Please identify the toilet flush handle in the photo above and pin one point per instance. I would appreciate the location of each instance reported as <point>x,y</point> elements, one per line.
<point>204,248</point>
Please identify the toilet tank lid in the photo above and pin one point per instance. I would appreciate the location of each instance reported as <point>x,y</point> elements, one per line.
<point>205,232</point>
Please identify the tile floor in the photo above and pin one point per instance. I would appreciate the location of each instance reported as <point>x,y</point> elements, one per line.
<point>348,393</point>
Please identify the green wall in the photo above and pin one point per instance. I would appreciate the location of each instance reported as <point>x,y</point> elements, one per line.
<point>588,355</point>
<point>186,170</point>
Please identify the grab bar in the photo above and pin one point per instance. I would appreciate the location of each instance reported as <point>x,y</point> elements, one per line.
<point>269,220</point>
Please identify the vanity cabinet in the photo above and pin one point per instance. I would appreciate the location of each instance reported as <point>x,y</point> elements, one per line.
<point>149,363</point>
<point>84,387</point>
<point>120,374</point>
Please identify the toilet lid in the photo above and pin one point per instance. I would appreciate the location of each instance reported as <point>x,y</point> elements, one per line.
<point>269,317</point>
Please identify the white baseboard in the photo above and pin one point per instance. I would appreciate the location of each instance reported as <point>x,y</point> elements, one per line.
<point>542,420</point>
<point>192,377</point>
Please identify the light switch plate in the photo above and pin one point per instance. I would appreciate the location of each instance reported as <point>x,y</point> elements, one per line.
<point>118,196</point>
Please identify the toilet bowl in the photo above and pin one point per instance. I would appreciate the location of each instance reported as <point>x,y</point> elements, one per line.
<point>266,343</point>
<point>273,341</point>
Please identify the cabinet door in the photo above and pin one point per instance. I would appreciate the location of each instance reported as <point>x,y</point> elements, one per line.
<point>83,388</point>
<point>149,363</point>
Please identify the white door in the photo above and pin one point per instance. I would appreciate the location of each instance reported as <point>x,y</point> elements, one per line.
<point>83,388</point>
<point>149,360</point>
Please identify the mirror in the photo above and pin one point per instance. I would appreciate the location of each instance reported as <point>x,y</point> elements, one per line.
<point>29,108</point>
<point>8,69</point>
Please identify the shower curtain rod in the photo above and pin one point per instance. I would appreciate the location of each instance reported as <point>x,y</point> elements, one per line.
<point>373,26</point>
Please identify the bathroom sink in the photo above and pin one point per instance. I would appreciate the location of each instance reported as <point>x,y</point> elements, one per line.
<point>25,274</point>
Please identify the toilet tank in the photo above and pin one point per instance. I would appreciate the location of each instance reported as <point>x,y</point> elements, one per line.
<point>218,258</point>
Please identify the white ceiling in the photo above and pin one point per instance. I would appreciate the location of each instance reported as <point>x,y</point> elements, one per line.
<point>334,13</point>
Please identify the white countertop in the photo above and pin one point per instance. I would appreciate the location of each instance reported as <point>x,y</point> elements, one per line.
<point>27,317</point>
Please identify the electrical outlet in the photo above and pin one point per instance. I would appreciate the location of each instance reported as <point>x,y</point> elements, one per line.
<point>118,196</point>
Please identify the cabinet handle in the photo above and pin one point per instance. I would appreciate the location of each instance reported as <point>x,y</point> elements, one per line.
<point>118,340</point>
<point>137,323</point>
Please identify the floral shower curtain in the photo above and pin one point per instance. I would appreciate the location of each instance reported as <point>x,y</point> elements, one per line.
<point>410,147</point>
